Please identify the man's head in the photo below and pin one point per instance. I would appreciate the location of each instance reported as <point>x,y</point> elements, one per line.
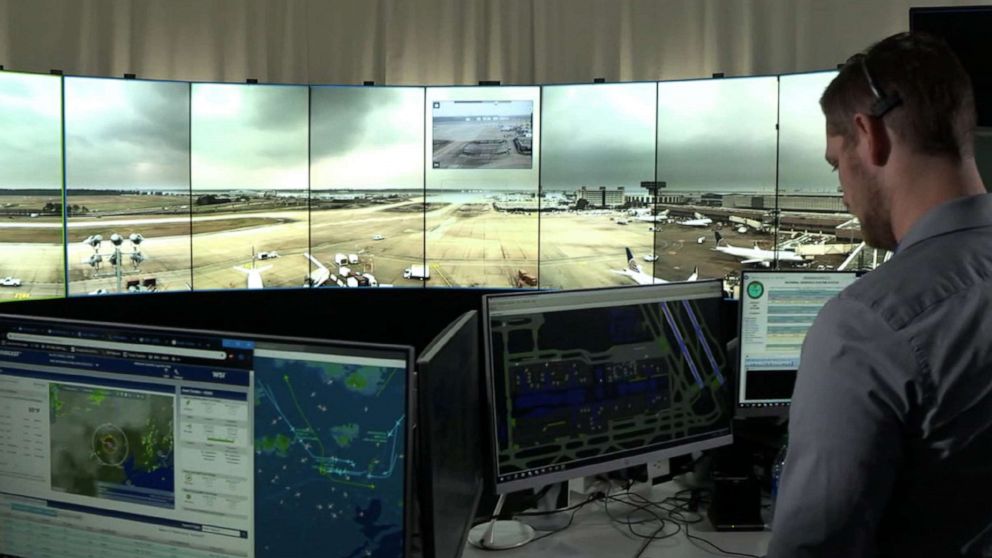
<point>905,97</point>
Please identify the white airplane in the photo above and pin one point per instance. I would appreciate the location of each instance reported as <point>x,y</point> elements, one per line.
<point>254,274</point>
<point>756,255</point>
<point>634,271</point>
<point>660,217</point>
<point>318,276</point>
<point>699,220</point>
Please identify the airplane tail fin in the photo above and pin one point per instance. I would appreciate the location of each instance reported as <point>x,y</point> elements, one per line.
<point>631,262</point>
<point>697,215</point>
<point>695,274</point>
<point>718,237</point>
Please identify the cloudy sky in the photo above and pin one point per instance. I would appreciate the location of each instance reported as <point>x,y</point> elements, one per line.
<point>367,137</point>
<point>249,137</point>
<point>718,134</point>
<point>803,136</point>
<point>126,134</point>
<point>30,131</point>
<point>598,135</point>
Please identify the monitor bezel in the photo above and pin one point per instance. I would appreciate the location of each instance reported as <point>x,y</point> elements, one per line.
<point>779,410</point>
<point>401,351</point>
<point>425,480</point>
<point>536,481</point>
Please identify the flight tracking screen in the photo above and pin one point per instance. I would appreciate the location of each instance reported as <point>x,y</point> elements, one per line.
<point>777,309</point>
<point>589,381</point>
<point>197,446</point>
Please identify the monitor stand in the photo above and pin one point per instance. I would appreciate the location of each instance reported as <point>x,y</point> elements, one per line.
<point>500,534</point>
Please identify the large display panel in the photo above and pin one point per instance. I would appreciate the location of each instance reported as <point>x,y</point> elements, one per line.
<point>598,151</point>
<point>367,185</point>
<point>32,253</point>
<point>450,430</point>
<point>583,382</point>
<point>127,185</point>
<point>199,444</point>
<point>716,162</point>
<point>777,309</point>
<point>482,161</point>
<point>250,186</point>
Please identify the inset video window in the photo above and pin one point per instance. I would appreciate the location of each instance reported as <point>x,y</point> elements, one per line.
<point>127,185</point>
<point>31,243</point>
<point>482,162</point>
<point>367,186</point>
<point>250,186</point>
<point>597,177</point>
<point>716,176</point>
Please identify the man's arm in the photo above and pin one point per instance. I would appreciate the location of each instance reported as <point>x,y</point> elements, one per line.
<point>845,435</point>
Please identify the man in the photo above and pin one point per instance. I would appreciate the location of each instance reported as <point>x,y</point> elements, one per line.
<point>890,434</point>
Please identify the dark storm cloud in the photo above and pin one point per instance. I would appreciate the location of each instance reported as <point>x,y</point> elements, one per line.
<point>365,137</point>
<point>598,135</point>
<point>718,135</point>
<point>249,136</point>
<point>127,134</point>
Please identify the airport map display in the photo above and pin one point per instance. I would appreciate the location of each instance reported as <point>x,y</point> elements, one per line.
<point>112,444</point>
<point>330,452</point>
<point>629,378</point>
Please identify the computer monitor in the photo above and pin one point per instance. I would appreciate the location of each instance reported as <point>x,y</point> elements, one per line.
<point>588,381</point>
<point>777,308</point>
<point>450,479</point>
<point>199,443</point>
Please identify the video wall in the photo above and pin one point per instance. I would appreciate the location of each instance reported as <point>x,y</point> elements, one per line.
<point>122,185</point>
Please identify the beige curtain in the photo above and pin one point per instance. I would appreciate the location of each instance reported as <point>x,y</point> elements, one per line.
<point>439,42</point>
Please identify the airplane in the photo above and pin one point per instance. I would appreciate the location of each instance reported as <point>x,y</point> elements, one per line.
<point>646,216</point>
<point>635,272</point>
<point>317,277</point>
<point>347,277</point>
<point>254,274</point>
<point>699,220</point>
<point>756,255</point>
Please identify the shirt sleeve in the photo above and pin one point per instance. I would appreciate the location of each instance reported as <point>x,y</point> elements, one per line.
<point>846,432</point>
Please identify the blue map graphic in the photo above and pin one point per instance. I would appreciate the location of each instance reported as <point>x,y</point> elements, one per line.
<point>329,459</point>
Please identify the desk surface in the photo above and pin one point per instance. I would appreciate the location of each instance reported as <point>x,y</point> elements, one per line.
<point>594,534</point>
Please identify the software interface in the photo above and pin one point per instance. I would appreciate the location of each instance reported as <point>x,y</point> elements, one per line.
<point>114,438</point>
<point>587,381</point>
<point>777,309</point>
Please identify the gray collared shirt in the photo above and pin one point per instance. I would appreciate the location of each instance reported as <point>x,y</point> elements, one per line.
<point>890,432</point>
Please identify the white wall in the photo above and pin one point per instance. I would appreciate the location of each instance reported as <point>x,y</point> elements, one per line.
<point>441,41</point>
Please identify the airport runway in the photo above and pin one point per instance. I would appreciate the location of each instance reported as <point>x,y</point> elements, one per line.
<point>467,244</point>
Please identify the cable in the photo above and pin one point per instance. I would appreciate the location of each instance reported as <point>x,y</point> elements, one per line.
<point>722,551</point>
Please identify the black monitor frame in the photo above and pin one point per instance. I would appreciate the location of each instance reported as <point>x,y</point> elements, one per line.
<point>615,463</point>
<point>401,351</point>
<point>426,489</point>
<point>770,409</point>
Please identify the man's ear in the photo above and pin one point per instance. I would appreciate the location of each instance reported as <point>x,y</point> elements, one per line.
<point>875,135</point>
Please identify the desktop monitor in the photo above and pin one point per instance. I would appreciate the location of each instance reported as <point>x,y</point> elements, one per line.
<point>777,308</point>
<point>450,479</point>
<point>199,443</point>
<point>587,381</point>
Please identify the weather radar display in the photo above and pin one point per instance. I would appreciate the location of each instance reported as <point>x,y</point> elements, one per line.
<point>329,457</point>
<point>112,444</point>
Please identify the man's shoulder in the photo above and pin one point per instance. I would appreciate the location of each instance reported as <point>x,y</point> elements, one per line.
<point>925,276</point>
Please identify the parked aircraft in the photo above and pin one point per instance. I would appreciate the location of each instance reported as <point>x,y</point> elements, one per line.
<point>756,255</point>
<point>634,271</point>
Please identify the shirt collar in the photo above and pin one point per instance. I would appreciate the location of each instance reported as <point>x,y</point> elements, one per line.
<point>969,212</point>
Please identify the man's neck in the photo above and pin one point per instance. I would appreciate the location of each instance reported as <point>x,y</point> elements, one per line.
<point>926,182</point>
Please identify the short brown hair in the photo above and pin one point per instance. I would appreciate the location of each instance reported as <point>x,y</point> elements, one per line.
<point>935,113</point>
